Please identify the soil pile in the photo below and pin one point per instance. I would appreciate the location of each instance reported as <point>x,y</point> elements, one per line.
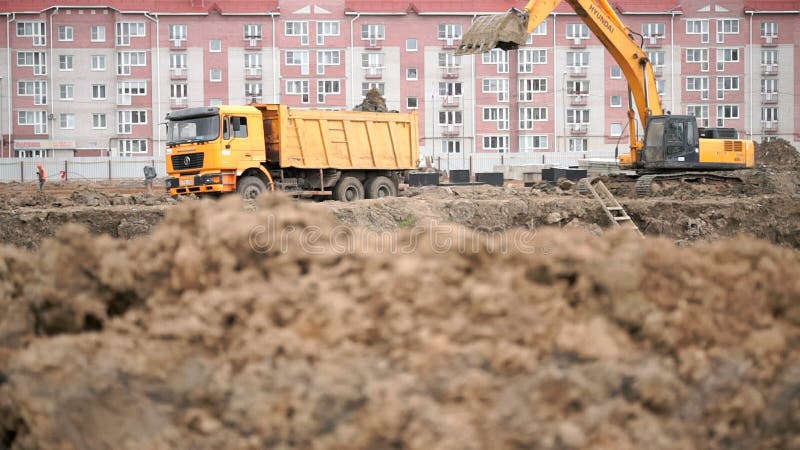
<point>777,154</point>
<point>373,102</point>
<point>281,328</point>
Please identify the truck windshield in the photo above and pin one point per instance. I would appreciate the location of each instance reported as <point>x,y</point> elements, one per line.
<point>196,129</point>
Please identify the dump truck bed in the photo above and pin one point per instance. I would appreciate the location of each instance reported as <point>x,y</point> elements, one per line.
<point>320,139</point>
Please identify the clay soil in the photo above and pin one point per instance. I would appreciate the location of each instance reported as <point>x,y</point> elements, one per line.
<point>450,318</point>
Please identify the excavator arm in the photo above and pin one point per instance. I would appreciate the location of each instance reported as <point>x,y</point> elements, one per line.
<point>510,30</point>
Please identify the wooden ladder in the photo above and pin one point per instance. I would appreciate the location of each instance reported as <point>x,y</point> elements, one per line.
<point>614,210</point>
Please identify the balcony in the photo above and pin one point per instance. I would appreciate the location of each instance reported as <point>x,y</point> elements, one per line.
<point>451,129</point>
<point>177,73</point>
<point>578,99</point>
<point>577,42</point>
<point>577,129</point>
<point>577,71</point>
<point>252,42</point>
<point>769,126</point>
<point>658,70</point>
<point>769,41</point>
<point>178,102</point>
<point>653,41</point>
<point>769,98</point>
<point>373,73</point>
<point>450,72</point>
<point>252,98</point>
<point>769,69</point>
<point>177,44</point>
<point>252,73</point>
<point>373,43</point>
<point>451,101</point>
<point>450,43</point>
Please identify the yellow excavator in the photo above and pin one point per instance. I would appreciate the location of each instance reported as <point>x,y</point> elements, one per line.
<point>671,143</point>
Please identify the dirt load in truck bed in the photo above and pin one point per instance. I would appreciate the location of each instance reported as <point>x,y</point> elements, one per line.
<point>233,329</point>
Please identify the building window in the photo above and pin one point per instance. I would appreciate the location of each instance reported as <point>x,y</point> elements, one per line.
<point>530,114</point>
<point>66,92</point>
<point>698,26</point>
<point>37,119</point>
<point>297,28</point>
<point>370,32</point>
<point>577,31</point>
<point>326,28</point>
<point>496,143</point>
<point>178,32</point>
<point>412,103</point>
<point>700,112</point>
<point>577,87</point>
<point>98,62</point>
<point>327,58</point>
<point>577,116</point>
<point>66,33</point>
<point>298,87</point>
<point>532,143</point>
<point>698,55</point>
<point>326,88</point>
<point>411,73</point>
<point>450,146</point>
<point>726,112</point>
<point>36,89</point>
<point>769,85</point>
<point>528,57</point>
<point>127,119</point>
<point>616,101</point>
<point>450,118</point>
<point>656,58</point>
<point>578,144</point>
<point>726,55</point>
<point>215,45</point>
<point>449,32</point>
<point>252,60</point>
<point>252,31</point>
<point>98,121</point>
<point>654,30</point>
<point>450,88</point>
<point>497,114</point>
<point>366,87</point>
<point>128,30</point>
<point>530,86</point>
<point>128,89</point>
<point>497,86</point>
<point>616,72</point>
<point>498,58</point>
<point>769,114</point>
<point>67,121</point>
<point>726,83</point>
<point>698,84</point>
<point>411,45</point>
<point>449,60</point>
<point>126,60</point>
<point>540,29</point>
<point>99,92</point>
<point>253,92</point>
<point>726,26</point>
<point>34,30</point>
<point>65,62</point>
<point>616,129</point>
<point>37,60</point>
<point>769,29</point>
<point>215,75</point>
<point>178,93</point>
<point>177,60</point>
<point>298,58</point>
<point>98,33</point>
<point>577,59</point>
<point>131,147</point>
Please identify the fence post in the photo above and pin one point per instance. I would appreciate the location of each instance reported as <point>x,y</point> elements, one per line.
<point>470,167</point>
<point>21,171</point>
<point>542,158</point>
<point>502,161</point>
<point>109,168</point>
<point>66,170</point>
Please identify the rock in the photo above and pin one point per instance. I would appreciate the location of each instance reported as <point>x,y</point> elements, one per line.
<point>553,218</point>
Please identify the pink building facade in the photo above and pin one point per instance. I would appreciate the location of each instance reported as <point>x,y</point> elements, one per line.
<point>98,79</point>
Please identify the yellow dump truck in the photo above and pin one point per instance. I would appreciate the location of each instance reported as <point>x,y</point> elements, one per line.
<point>251,149</point>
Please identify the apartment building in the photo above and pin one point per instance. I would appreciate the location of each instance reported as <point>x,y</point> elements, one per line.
<point>98,79</point>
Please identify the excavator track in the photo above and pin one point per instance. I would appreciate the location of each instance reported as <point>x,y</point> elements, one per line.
<point>644,182</point>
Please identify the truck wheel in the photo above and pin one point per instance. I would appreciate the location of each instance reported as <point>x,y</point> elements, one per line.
<point>381,187</point>
<point>251,187</point>
<point>348,189</point>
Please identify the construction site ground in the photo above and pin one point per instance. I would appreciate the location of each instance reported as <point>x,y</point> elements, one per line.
<point>447,318</point>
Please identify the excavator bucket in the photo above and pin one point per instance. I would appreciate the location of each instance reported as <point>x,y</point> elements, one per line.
<point>506,31</point>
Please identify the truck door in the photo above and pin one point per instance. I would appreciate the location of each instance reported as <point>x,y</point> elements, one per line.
<point>236,133</point>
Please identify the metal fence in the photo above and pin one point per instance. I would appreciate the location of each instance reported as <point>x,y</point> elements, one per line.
<point>84,168</point>
<point>478,163</point>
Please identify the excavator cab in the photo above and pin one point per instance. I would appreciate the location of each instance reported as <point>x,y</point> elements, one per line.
<point>670,142</point>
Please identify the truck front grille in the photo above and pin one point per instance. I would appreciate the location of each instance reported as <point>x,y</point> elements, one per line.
<point>187,161</point>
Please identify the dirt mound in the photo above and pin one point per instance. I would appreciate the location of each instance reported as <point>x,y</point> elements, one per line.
<point>777,154</point>
<point>283,329</point>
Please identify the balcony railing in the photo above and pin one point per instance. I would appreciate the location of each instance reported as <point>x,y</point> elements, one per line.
<point>178,102</point>
<point>450,72</point>
<point>177,44</point>
<point>578,128</point>
<point>652,41</point>
<point>658,70</point>
<point>178,73</point>
<point>252,73</point>
<point>578,99</point>
<point>252,42</point>
<point>769,126</point>
<point>373,73</point>
<point>451,129</point>
<point>769,69</point>
<point>252,98</point>
<point>451,101</point>
<point>577,71</point>
<point>769,97</point>
<point>769,41</point>
<point>577,42</point>
<point>450,43</point>
<point>373,43</point>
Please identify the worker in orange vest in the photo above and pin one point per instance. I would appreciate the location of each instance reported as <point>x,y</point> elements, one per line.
<point>42,174</point>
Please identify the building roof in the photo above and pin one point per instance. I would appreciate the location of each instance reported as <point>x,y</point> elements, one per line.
<point>153,6</point>
<point>773,6</point>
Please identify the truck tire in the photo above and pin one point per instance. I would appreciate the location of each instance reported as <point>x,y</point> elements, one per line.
<point>250,187</point>
<point>348,189</point>
<point>381,187</point>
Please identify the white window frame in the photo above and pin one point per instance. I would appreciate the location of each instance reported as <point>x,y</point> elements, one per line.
<point>577,145</point>
<point>769,29</point>
<point>66,33</point>
<point>99,63</point>
<point>297,58</point>
<point>615,130</point>
<point>496,142</point>
<point>526,87</point>
<point>37,60</point>
<point>449,32</point>
<point>33,88</point>
<point>498,58</point>
<point>99,121</point>
<point>35,118</point>
<point>97,33</point>
<point>298,87</point>
<point>726,112</point>
<point>698,26</point>
<point>297,28</point>
<point>700,112</point>
<point>654,30</point>
<point>66,121</point>
<point>131,147</point>
<point>215,75</point>
<point>373,31</point>
<point>449,60</point>
<point>214,45</point>
<point>36,30</point>
<point>409,102</point>
<point>369,85</point>
<point>617,75</point>
<point>410,47</point>
<point>66,92</point>
<point>577,30</point>
<point>327,28</point>
<point>497,86</point>
<point>533,142</point>
<point>698,56</point>
<point>528,57</point>
<point>66,63</point>
<point>451,88</point>
<point>326,87</point>
<point>128,59</point>
<point>178,32</point>
<point>577,59</point>
<point>617,103</point>
<point>252,31</point>
<point>450,146</point>
<point>127,118</point>
<point>451,117</point>
<point>327,58</point>
<point>727,55</point>
<point>497,114</point>
<point>530,114</point>
<point>578,116</point>
<point>412,74</point>
<point>99,91</point>
<point>726,26</point>
<point>178,91</point>
<point>127,30</point>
